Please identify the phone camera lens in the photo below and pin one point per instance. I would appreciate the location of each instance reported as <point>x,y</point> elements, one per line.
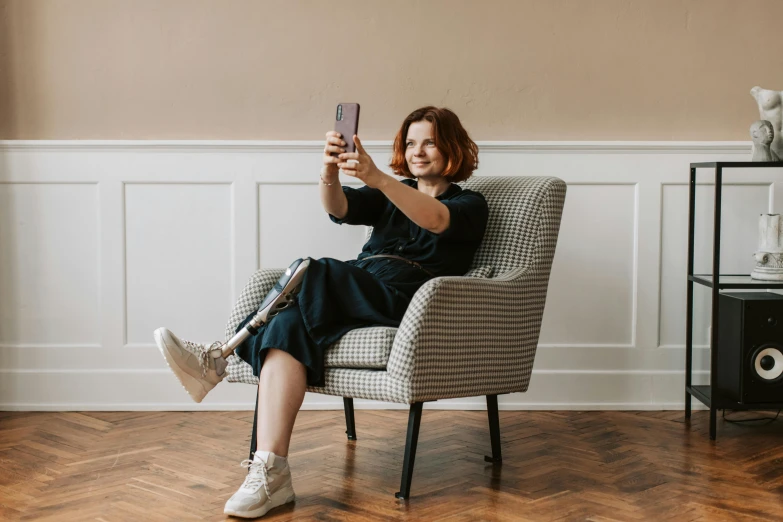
<point>339,112</point>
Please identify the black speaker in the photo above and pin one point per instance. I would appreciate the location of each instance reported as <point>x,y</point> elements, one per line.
<point>750,347</point>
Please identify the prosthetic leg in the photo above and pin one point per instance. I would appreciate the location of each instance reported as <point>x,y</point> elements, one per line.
<point>279,298</point>
<point>199,367</point>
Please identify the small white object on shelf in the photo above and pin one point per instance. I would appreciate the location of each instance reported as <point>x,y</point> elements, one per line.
<point>769,258</point>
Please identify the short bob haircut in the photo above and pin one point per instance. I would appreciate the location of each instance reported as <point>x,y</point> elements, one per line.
<point>459,151</point>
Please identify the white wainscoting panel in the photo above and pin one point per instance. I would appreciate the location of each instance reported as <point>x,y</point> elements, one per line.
<point>49,264</point>
<point>602,216</point>
<point>293,225</point>
<point>178,258</point>
<point>102,242</point>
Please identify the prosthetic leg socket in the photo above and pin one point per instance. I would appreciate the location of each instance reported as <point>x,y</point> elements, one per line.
<point>280,297</point>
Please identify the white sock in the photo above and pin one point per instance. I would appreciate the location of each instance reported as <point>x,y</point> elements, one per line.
<point>263,456</point>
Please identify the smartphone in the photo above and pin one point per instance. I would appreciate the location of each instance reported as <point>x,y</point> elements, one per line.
<point>346,122</point>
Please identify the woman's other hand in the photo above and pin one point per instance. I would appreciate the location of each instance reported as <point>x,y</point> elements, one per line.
<point>363,167</point>
<point>334,143</point>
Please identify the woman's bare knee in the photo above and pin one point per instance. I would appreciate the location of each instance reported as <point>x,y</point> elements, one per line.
<point>282,360</point>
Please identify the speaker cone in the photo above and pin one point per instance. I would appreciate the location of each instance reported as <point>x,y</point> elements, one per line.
<point>767,362</point>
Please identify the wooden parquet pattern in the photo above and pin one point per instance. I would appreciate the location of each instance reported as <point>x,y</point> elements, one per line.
<point>598,466</point>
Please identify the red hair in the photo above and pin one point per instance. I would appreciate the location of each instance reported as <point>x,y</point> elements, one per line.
<point>451,139</point>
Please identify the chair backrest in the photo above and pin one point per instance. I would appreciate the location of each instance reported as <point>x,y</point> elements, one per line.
<point>524,220</point>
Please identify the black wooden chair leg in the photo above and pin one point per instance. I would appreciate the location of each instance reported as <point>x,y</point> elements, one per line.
<point>414,420</point>
<point>350,426</point>
<point>254,435</point>
<point>494,429</point>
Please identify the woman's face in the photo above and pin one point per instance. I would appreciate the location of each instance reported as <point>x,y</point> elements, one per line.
<point>421,154</point>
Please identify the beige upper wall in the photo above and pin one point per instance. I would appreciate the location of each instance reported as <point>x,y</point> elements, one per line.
<point>512,70</point>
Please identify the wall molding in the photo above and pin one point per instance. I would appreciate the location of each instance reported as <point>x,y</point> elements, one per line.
<point>245,146</point>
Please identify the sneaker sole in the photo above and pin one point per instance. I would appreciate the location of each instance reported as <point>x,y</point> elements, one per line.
<point>263,510</point>
<point>193,386</point>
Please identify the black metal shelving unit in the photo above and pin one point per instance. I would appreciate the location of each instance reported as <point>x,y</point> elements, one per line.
<point>707,393</point>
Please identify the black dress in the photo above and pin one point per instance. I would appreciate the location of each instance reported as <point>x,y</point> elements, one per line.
<point>339,296</point>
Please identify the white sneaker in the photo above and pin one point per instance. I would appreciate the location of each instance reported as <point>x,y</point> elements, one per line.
<point>199,367</point>
<point>267,485</point>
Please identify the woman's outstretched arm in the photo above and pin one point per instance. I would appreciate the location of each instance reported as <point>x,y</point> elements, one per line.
<point>426,211</point>
<point>332,197</point>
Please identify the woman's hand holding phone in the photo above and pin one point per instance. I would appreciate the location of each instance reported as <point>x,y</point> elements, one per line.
<point>363,167</point>
<point>334,144</point>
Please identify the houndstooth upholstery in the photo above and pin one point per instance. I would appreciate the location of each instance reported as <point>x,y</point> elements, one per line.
<point>360,348</point>
<point>461,336</point>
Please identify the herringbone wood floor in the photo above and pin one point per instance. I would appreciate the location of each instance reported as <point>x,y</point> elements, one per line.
<point>600,466</point>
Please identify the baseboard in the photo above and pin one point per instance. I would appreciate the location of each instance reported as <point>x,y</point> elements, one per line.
<point>158,390</point>
<point>337,404</point>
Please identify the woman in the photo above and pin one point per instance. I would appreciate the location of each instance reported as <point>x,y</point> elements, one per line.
<point>424,226</point>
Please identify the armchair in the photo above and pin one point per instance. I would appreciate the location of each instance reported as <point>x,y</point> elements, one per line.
<point>461,336</point>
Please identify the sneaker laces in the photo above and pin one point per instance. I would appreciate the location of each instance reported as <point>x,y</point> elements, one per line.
<point>202,352</point>
<point>257,476</point>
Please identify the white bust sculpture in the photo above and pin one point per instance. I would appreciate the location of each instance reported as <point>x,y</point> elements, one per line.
<point>762,134</point>
<point>771,109</point>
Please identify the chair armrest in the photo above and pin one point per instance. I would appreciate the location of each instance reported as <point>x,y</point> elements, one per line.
<point>260,283</point>
<point>463,337</point>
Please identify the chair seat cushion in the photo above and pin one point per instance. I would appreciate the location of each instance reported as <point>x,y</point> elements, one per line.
<point>362,348</point>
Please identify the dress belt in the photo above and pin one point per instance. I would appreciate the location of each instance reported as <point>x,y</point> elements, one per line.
<point>400,258</point>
